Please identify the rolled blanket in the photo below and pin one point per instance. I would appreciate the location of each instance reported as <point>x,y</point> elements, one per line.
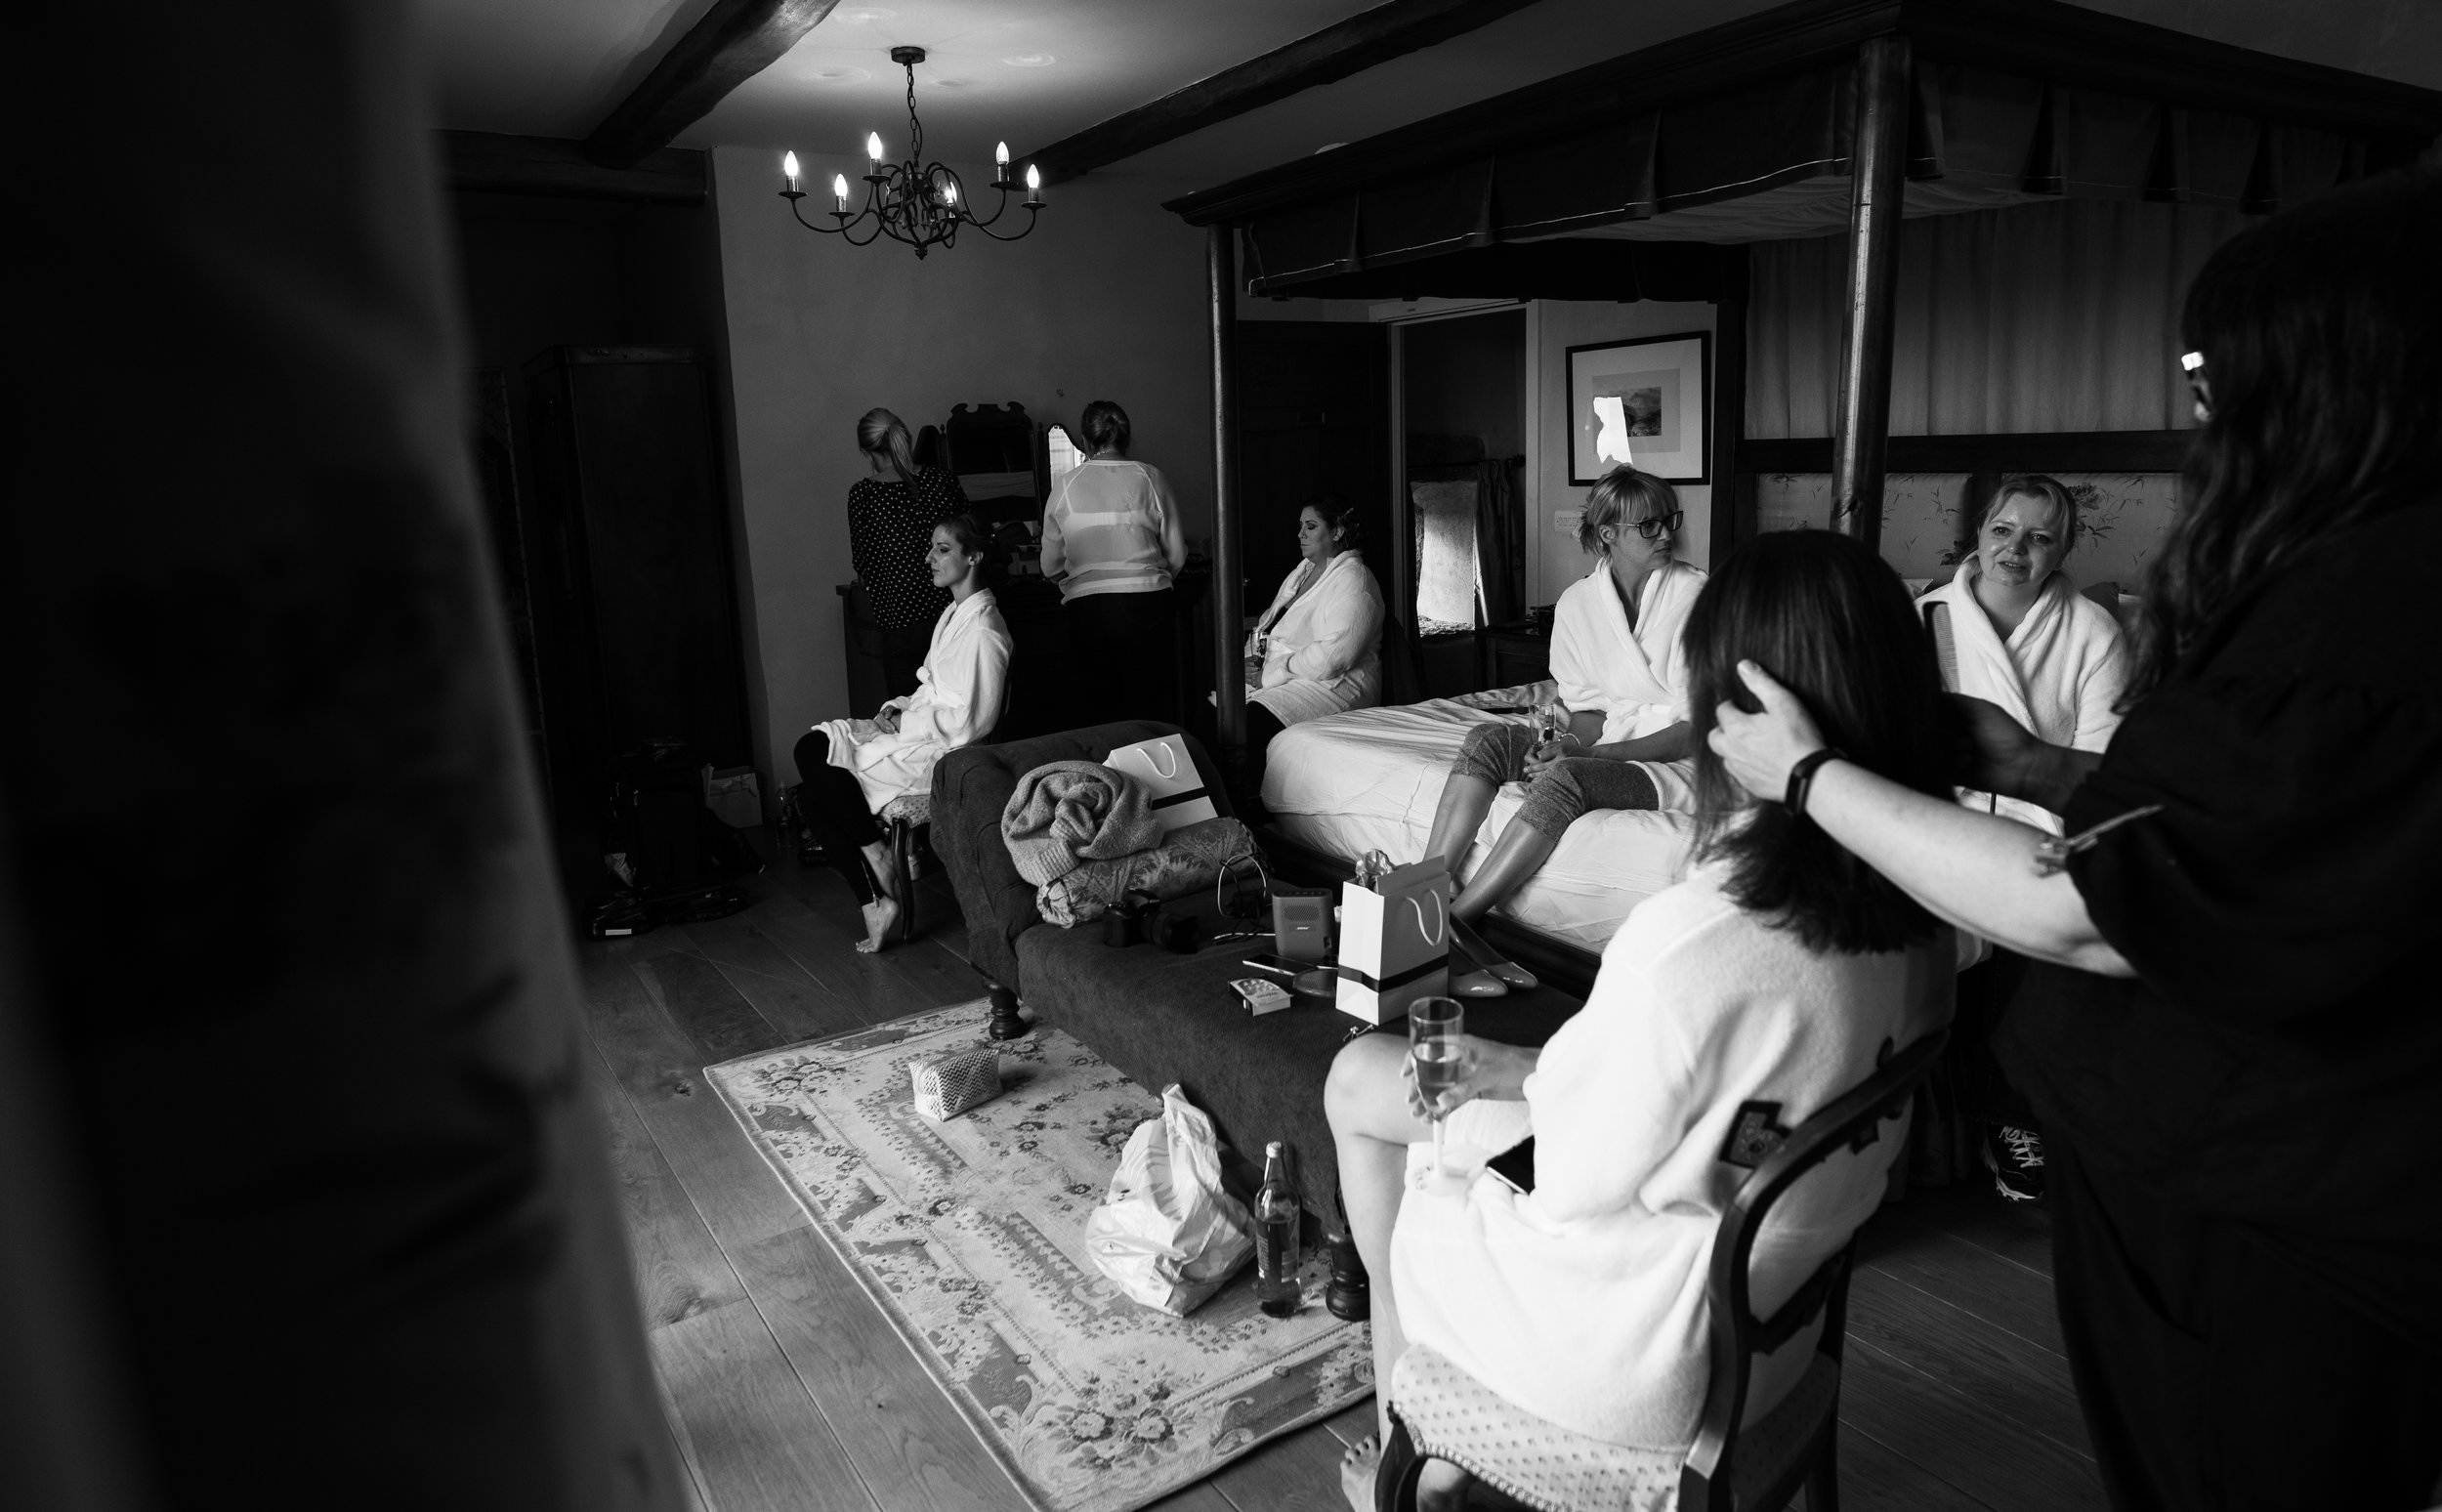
<point>1068,812</point>
<point>1185,863</point>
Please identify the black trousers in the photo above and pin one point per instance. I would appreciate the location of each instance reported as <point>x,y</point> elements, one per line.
<point>835,811</point>
<point>1124,652</point>
<point>2216,1373</point>
<point>1985,994</point>
<point>1261,726</point>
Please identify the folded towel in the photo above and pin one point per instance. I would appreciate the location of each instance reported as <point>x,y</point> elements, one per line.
<point>1066,812</point>
<point>1184,863</point>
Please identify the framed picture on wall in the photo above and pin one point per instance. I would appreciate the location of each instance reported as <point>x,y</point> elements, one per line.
<point>1647,403</point>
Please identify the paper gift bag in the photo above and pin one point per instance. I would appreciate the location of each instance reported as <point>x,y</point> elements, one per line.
<point>1179,795</point>
<point>1394,941</point>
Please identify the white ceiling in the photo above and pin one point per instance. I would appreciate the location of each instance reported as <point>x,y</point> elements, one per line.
<point>555,68</point>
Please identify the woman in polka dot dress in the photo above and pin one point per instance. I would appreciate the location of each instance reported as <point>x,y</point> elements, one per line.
<point>890,523</point>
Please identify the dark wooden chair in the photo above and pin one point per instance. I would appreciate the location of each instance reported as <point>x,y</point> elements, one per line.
<point>1755,1468</point>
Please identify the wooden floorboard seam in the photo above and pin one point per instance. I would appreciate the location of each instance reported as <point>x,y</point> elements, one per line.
<point>713,1234</point>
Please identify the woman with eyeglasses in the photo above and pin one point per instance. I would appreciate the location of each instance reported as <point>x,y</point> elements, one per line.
<point>2230,1031</point>
<point>1623,676</point>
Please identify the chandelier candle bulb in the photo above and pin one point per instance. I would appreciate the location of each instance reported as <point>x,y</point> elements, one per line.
<point>873,150</point>
<point>1033,186</point>
<point>788,170</point>
<point>839,193</point>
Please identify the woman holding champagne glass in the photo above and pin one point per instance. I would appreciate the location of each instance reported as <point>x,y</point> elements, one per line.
<point>1770,982</point>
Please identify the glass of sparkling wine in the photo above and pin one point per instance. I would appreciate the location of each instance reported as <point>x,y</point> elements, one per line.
<point>1437,1043</point>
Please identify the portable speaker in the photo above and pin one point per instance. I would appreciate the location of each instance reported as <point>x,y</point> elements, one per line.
<point>1301,923</point>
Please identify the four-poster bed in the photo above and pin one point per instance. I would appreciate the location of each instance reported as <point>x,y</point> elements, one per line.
<point>1651,175</point>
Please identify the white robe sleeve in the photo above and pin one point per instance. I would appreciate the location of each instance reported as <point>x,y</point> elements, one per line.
<point>2104,678</point>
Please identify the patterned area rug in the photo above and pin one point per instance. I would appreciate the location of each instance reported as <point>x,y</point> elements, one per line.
<point>970,1235</point>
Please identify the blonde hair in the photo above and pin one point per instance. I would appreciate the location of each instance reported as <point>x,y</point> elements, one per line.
<point>881,433</point>
<point>1609,501</point>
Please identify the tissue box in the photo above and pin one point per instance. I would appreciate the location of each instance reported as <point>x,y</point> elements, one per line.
<point>947,1085</point>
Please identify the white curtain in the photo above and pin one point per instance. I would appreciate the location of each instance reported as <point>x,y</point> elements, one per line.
<point>2055,317</point>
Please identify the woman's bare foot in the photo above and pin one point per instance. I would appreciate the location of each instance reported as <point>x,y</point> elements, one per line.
<point>882,915</point>
<point>1357,1471</point>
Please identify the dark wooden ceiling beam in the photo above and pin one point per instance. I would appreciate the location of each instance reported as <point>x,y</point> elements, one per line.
<point>735,40</point>
<point>1338,51</point>
<point>490,163</point>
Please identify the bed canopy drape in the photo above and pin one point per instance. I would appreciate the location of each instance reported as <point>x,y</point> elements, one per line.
<point>1646,176</point>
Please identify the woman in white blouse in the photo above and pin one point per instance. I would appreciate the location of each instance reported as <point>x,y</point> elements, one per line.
<point>1317,650</point>
<point>1772,979</point>
<point>1616,659</point>
<point>1114,538</point>
<point>851,767</point>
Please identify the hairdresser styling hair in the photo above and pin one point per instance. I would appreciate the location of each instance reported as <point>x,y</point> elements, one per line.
<point>2231,1036</point>
<point>890,528</point>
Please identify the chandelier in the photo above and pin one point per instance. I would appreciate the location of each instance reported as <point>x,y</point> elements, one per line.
<point>923,206</point>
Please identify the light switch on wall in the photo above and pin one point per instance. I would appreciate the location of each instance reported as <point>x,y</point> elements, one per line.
<point>1565,521</point>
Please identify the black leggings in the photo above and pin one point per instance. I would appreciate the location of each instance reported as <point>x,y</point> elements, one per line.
<point>835,809</point>
<point>1261,726</point>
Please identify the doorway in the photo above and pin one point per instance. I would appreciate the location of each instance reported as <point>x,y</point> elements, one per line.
<point>1462,416</point>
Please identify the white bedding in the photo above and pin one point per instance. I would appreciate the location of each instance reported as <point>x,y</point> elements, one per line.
<point>1369,780</point>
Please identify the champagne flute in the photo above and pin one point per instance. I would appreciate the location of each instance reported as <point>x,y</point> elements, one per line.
<point>1437,1045</point>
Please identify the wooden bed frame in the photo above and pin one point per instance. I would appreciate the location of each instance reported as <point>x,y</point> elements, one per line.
<point>2017,100</point>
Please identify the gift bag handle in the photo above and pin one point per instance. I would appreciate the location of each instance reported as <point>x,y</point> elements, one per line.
<point>1154,753</point>
<point>1440,918</point>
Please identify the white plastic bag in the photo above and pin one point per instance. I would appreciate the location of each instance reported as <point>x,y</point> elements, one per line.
<point>1166,1231</point>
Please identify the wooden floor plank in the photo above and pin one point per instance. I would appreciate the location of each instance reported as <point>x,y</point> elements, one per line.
<point>734,1191</point>
<point>1967,1441</point>
<point>1971,1212</point>
<point>907,1441</point>
<point>1353,1422</point>
<point>1297,1472</point>
<point>1972,1279</point>
<point>680,1270</point>
<point>882,986</point>
<point>788,997</point>
<point>1203,1496</point>
<point>1875,1478</point>
<point>702,1004</point>
<point>1998,1370</point>
<point>760,1439</point>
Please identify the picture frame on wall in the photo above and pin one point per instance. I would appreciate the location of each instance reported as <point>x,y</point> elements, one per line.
<point>1647,401</point>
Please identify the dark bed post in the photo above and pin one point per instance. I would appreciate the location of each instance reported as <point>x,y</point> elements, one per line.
<point>1228,676</point>
<point>1861,439</point>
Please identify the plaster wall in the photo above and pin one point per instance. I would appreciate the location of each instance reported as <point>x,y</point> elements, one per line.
<point>1106,300</point>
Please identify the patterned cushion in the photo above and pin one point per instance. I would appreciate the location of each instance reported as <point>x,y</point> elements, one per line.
<point>914,807</point>
<point>1542,1465</point>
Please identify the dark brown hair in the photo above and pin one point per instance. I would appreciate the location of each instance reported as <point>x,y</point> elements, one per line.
<point>1831,622</point>
<point>975,539</point>
<point>2321,333</point>
<point>1106,427</point>
<point>1339,519</point>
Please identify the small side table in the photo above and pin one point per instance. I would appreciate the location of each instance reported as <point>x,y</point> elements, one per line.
<point>1509,654</point>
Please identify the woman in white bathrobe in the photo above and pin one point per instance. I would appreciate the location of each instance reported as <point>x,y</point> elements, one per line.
<point>1622,679</point>
<point>2021,635</point>
<point>851,768</point>
<point>1317,650</point>
<point>2014,631</point>
<point>1573,1285</point>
